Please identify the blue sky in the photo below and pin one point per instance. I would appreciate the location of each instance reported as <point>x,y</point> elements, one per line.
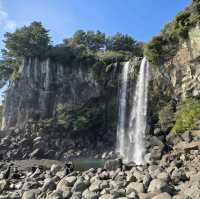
<point>141,19</point>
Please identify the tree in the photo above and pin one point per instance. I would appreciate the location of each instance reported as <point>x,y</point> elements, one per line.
<point>28,41</point>
<point>93,41</point>
<point>120,42</point>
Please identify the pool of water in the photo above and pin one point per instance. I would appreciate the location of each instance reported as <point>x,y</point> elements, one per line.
<point>85,164</point>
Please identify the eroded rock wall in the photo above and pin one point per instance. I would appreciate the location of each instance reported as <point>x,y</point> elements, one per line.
<point>41,85</point>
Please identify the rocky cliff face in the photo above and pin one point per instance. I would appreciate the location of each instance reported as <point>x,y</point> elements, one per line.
<point>41,86</point>
<point>182,72</point>
<point>89,121</point>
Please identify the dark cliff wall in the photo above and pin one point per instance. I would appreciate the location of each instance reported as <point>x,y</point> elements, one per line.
<point>41,86</point>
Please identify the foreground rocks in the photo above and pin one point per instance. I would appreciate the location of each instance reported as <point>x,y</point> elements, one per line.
<point>46,140</point>
<point>175,178</point>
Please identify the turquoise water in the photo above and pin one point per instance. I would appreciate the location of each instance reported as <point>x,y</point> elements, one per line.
<point>85,164</point>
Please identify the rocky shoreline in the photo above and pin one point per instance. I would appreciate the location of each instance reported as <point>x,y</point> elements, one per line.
<point>172,173</point>
<point>176,176</point>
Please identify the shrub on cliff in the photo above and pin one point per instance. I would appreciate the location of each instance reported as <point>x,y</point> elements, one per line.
<point>166,118</point>
<point>165,46</point>
<point>187,115</point>
<point>161,49</point>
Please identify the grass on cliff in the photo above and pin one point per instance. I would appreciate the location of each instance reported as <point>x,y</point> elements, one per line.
<point>187,115</point>
<point>164,46</point>
<point>185,118</point>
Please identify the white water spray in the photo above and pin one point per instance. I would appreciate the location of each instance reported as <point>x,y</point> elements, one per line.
<point>131,146</point>
<point>122,111</point>
<point>137,122</point>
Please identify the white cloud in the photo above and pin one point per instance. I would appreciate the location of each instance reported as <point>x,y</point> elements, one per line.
<point>6,23</point>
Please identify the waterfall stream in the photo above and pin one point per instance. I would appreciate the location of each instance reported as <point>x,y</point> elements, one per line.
<point>131,146</point>
<point>122,111</point>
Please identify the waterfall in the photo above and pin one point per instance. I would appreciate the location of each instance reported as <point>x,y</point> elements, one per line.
<point>122,111</point>
<point>137,122</point>
<point>131,142</point>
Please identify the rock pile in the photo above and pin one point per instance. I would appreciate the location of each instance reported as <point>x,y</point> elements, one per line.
<point>49,141</point>
<point>172,178</point>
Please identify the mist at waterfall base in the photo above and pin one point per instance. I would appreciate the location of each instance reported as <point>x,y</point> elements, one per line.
<point>130,137</point>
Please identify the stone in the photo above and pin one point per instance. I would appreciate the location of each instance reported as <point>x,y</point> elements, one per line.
<point>132,195</point>
<point>157,186</point>
<point>106,196</point>
<point>66,194</point>
<point>79,186</point>
<point>163,176</point>
<point>187,147</point>
<point>112,165</point>
<point>162,196</point>
<point>157,131</point>
<point>30,185</point>
<point>55,195</point>
<point>95,186</point>
<point>29,195</point>
<point>66,183</point>
<point>173,140</point>
<point>49,185</point>
<point>55,168</point>
<point>117,193</point>
<point>178,175</point>
<point>87,194</point>
<point>135,186</point>
<point>4,185</point>
<point>186,136</point>
<point>37,153</point>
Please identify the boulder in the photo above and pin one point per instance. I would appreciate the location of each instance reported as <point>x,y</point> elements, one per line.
<point>79,186</point>
<point>29,195</point>
<point>158,186</point>
<point>186,136</point>
<point>162,196</point>
<point>95,187</point>
<point>178,175</point>
<point>106,196</point>
<point>87,194</point>
<point>112,165</point>
<point>49,185</point>
<point>66,183</point>
<point>3,185</point>
<point>135,186</point>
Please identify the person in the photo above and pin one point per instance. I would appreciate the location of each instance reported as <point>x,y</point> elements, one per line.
<point>69,168</point>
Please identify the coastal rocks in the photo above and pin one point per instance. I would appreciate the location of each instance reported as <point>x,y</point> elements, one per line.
<point>113,164</point>
<point>166,179</point>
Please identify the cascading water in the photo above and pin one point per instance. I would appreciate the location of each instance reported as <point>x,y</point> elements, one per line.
<point>131,143</point>
<point>137,122</point>
<point>122,111</point>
